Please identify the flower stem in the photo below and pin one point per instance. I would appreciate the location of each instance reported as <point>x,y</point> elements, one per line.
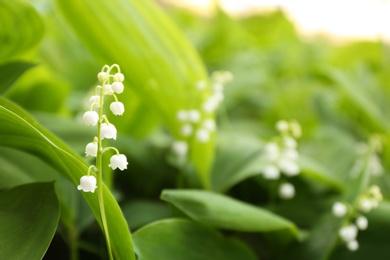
<point>99,165</point>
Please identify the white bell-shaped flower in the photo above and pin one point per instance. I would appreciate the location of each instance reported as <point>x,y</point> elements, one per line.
<point>348,233</point>
<point>102,76</point>
<point>286,191</point>
<point>339,209</point>
<point>91,118</point>
<point>119,77</point>
<point>107,89</point>
<point>118,161</point>
<point>272,151</point>
<point>117,108</point>
<point>95,100</point>
<point>91,149</point>
<point>117,87</point>
<point>87,184</point>
<point>108,131</point>
<point>365,205</point>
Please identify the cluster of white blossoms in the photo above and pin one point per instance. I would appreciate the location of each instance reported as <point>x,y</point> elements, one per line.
<point>281,156</point>
<point>373,164</point>
<point>355,220</point>
<point>111,85</point>
<point>200,123</point>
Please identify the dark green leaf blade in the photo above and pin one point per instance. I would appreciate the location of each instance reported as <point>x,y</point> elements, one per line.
<point>223,212</point>
<point>29,217</point>
<point>186,240</point>
<point>11,71</point>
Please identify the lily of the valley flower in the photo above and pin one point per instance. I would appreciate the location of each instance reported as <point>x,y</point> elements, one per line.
<point>108,131</point>
<point>117,108</point>
<point>117,87</point>
<point>91,149</point>
<point>87,184</point>
<point>91,118</point>
<point>286,191</point>
<point>118,161</point>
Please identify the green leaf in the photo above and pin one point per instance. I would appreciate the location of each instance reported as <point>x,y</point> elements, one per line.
<point>146,212</point>
<point>29,216</point>
<point>21,28</point>
<point>186,240</point>
<point>11,71</point>
<point>158,62</point>
<point>22,132</point>
<point>223,212</point>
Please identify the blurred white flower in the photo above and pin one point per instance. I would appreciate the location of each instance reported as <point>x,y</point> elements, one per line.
<point>107,89</point>
<point>282,126</point>
<point>186,130</point>
<point>286,190</point>
<point>339,209</point>
<point>365,205</point>
<point>194,116</point>
<point>180,148</point>
<point>95,100</point>
<point>348,233</point>
<point>209,124</point>
<point>353,245</point>
<point>288,167</point>
<point>362,222</point>
<point>202,135</point>
<point>271,172</point>
<point>182,115</point>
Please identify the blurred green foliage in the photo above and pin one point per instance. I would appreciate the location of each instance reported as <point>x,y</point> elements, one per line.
<point>50,54</point>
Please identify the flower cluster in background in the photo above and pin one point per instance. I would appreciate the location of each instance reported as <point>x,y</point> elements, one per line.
<point>281,157</point>
<point>374,164</point>
<point>354,215</point>
<point>111,85</point>
<point>200,124</point>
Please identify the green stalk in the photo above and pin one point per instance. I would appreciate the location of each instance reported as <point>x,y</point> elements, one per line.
<point>99,165</point>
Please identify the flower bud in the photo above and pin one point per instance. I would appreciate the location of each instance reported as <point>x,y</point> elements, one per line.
<point>209,124</point>
<point>119,77</point>
<point>95,100</point>
<point>91,118</point>
<point>107,89</point>
<point>87,184</point>
<point>193,116</point>
<point>102,76</point>
<point>282,126</point>
<point>186,130</point>
<point>117,108</point>
<point>118,161</point>
<point>108,131</point>
<point>353,245</point>
<point>271,172</point>
<point>91,149</point>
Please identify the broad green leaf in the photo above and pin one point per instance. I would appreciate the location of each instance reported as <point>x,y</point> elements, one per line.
<point>11,71</point>
<point>157,61</point>
<point>29,217</point>
<point>186,240</point>
<point>21,28</point>
<point>22,132</point>
<point>238,157</point>
<point>223,212</point>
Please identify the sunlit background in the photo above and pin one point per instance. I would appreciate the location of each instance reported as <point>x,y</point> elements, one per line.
<point>346,19</point>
